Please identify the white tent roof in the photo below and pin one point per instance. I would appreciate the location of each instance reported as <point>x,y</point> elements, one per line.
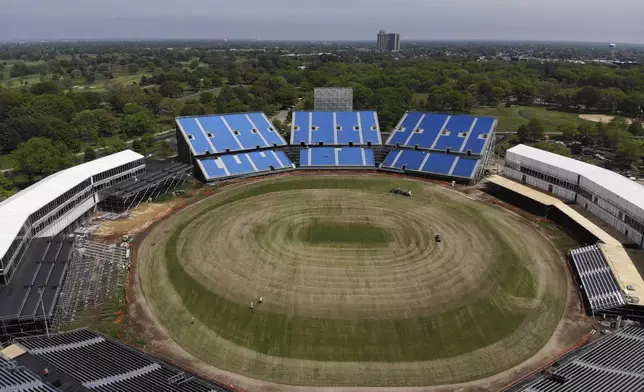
<point>621,186</point>
<point>15,210</point>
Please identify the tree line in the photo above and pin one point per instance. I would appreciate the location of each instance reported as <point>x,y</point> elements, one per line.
<point>56,114</point>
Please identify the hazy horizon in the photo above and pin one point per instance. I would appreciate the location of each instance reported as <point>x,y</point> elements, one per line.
<point>331,20</point>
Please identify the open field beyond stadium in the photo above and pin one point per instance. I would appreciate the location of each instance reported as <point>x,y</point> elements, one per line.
<point>510,119</point>
<point>355,290</point>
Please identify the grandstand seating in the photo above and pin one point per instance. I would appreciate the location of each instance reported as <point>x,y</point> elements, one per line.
<point>598,282</point>
<point>235,165</point>
<point>431,162</point>
<point>337,157</point>
<point>458,134</point>
<point>336,128</point>
<point>16,378</point>
<point>102,364</point>
<point>160,178</point>
<point>43,267</point>
<point>229,133</point>
<point>614,363</point>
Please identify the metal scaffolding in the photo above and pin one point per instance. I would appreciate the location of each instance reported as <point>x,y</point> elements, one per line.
<point>96,277</point>
<point>147,187</point>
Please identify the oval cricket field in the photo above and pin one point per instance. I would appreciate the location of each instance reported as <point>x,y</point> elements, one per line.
<point>355,290</point>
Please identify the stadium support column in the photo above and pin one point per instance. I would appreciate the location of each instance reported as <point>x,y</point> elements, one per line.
<point>41,291</point>
<point>487,157</point>
<point>183,150</point>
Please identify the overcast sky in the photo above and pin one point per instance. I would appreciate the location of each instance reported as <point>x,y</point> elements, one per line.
<point>564,20</point>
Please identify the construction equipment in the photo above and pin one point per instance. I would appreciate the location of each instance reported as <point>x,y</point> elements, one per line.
<point>401,191</point>
<point>437,237</point>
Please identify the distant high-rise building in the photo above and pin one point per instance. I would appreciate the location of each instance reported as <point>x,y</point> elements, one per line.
<point>388,42</point>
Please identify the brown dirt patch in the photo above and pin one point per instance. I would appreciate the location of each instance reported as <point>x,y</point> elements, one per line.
<point>138,219</point>
<point>601,118</point>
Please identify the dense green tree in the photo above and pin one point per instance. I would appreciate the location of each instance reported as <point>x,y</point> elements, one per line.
<point>147,140</point>
<point>118,145</point>
<point>589,96</point>
<point>556,148</point>
<point>629,152</point>
<point>170,89</point>
<point>524,133</point>
<point>92,124</point>
<point>525,92</point>
<point>54,105</point>
<point>566,98</point>
<point>19,69</point>
<point>612,99</point>
<point>569,130</point>
<point>139,147</point>
<point>207,97</point>
<point>535,127</point>
<point>132,68</point>
<point>194,82</point>
<point>6,188</point>
<point>46,87</point>
<point>636,129</point>
<point>137,124</point>
<point>41,157</point>
<point>193,108</point>
<point>89,154</point>
<point>20,129</point>
<point>170,107</point>
<point>133,108</point>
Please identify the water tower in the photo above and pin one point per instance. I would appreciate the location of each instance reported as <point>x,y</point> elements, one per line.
<point>612,48</point>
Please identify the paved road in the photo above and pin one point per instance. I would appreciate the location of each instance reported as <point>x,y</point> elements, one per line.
<point>281,115</point>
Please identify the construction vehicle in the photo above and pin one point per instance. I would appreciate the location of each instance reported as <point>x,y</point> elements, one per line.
<point>438,237</point>
<point>401,191</point>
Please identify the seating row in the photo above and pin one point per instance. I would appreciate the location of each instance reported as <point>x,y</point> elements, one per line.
<point>228,133</point>
<point>100,363</point>
<point>233,165</point>
<point>443,132</point>
<point>335,128</point>
<point>337,156</point>
<point>431,162</point>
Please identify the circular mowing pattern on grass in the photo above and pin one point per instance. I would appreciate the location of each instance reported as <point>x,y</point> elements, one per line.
<point>350,275</point>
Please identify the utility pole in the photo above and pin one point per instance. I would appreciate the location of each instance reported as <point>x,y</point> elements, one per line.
<point>41,291</point>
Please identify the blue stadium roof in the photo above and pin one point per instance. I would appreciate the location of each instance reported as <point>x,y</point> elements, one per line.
<point>336,128</point>
<point>432,131</point>
<point>217,134</point>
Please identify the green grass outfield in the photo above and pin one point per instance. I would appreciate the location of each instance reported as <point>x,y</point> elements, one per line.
<point>510,119</point>
<point>480,319</point>
<point>340,234</point>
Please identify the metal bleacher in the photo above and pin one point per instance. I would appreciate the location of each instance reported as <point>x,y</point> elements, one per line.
<point>614,363</point>
<point>17,378</point>
<point>597,280</point>
<point>358,157</point>
<point>100,363</point>
<point>335,128</point>
<point>35,287</point>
